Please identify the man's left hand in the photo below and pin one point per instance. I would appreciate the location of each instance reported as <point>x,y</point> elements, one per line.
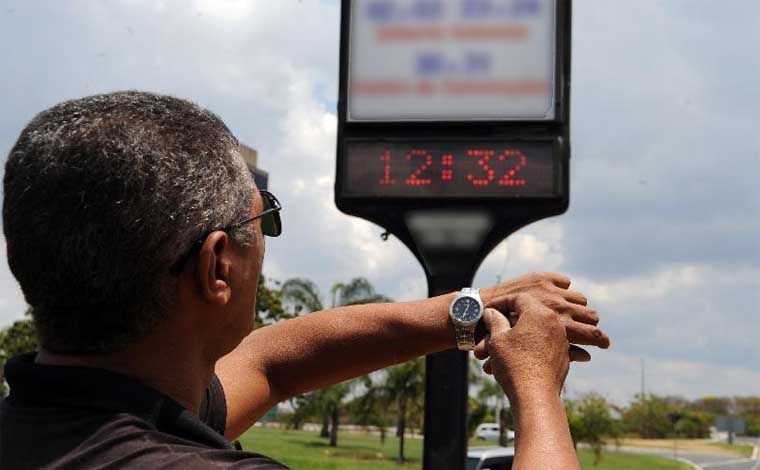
<point>553,291</point>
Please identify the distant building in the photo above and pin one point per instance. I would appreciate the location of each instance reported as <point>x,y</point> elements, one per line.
<point>251,157</point>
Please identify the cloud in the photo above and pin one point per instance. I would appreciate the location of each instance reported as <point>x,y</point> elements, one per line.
<point>686,312</point>
<point>618,377</point>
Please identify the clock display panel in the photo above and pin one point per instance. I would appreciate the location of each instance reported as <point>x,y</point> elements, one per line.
<point>450,169</point>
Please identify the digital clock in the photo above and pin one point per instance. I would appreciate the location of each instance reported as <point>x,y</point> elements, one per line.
<point>453,133</point>
<point>450,169</point>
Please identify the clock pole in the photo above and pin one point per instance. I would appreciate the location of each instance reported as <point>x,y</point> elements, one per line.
<point>446,393</point>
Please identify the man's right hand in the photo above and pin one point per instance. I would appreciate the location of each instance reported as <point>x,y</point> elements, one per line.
<point>530,361</point>
<point>532,358</point>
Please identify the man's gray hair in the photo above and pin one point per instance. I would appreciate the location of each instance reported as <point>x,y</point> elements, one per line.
<point>101,196</point>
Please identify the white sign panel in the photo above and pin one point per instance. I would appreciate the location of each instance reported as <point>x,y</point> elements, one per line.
<point>452,60</point>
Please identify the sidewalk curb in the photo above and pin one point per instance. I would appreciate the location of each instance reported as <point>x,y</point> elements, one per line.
<point>689,462</point>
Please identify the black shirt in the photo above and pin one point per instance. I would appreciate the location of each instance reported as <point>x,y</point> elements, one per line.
<point>86,418</point>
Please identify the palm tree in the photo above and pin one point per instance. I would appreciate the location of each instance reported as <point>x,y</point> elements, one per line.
<point>334,396</point>
<point>357,291</point>
<point>399,388</point>
<point>370,408</point>
<point>405,387</point>
<point>269,308</point>
<point>303,296</point>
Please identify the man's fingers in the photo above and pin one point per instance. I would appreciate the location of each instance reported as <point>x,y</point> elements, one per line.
<point>581,333</point>
<point>481,350</point>
<point>575,297</point>
<point>579,354</point>
<point>503,303</point>
<point>559,280</point>
<point>487,367</point>
<point>494,321</point>
<point>582,314</point>
<point>525,302</point>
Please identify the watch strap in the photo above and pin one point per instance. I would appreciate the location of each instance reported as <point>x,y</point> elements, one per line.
<point>465,337</point>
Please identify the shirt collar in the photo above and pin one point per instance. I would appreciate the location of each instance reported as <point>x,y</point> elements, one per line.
<point>99,389</point>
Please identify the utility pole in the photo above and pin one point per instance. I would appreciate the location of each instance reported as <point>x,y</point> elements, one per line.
<point>643,383</point>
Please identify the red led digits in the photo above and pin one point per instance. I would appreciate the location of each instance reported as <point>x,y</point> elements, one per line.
<point>447,162</point>
<point>520,161</point>
<point>485,156</point>
<point>414,178</point>
<point>386,158</point>
<point>503,168</point>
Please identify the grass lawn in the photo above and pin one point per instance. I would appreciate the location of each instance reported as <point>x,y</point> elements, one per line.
<point>355,451</point>
<point>704,446</point>
<point>745,450</point>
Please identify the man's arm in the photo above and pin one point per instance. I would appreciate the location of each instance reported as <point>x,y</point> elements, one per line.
<point>306,353</point>
<point>530,362</point>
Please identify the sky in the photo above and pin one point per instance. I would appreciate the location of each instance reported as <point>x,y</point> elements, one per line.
<point>663,226</point>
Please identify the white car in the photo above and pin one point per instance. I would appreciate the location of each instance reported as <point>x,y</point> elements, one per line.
<point>490,432</point>
<point>490,458</point>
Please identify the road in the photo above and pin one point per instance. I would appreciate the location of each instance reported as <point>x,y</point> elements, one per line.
<point>753,441</point>
<point>702,461</point>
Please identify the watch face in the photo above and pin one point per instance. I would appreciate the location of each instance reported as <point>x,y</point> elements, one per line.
<point>466,309</point>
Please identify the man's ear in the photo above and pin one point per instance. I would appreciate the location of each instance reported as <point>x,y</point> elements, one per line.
<point>212,270</point>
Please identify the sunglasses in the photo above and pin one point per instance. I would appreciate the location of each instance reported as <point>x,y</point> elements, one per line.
<point>271,226</point>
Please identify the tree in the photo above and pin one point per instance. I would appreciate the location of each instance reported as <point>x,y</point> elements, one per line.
<point>477,412</point>
<point>405,387</point>
<point>492,396</point>
<point>398,389</point>
<point>753,426</point>
<point>693,424</point>
<point>491,393</point>
<point>332,398</point>
<point>301,410</point>
<point>591,422</point>
<point>748,406</point>
<point>302,296</point>
<point>713,405</point>
<point>370,408</point>
<point>357,291</point>
<point>749,409</point>
<point>19,338</point>
<point>647,416</point>
<point>269,308</point>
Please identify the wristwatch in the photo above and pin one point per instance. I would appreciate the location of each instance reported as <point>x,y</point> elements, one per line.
<point>465,312</point>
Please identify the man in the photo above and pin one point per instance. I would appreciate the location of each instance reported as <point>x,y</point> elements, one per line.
<point>137,236</point>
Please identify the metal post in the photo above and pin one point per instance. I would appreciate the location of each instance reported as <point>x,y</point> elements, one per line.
<point>643,386</point>
<point>446,396</point>
<point>675,442</point>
